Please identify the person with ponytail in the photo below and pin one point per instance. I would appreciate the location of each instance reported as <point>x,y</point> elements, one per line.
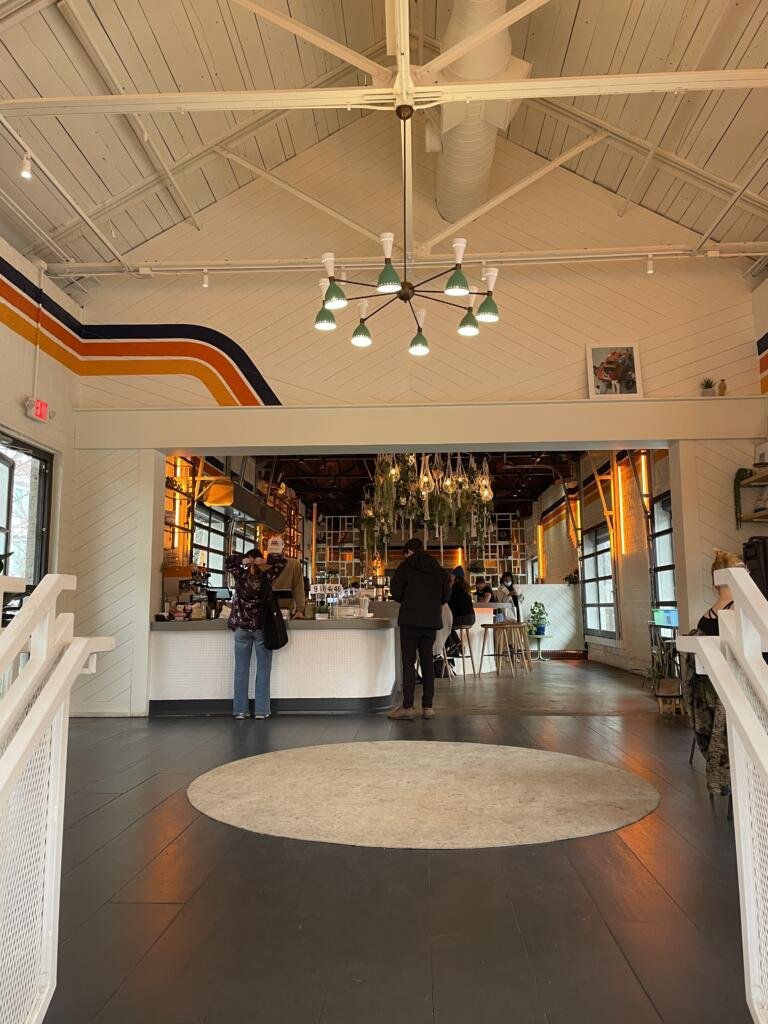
<point>704,706</point>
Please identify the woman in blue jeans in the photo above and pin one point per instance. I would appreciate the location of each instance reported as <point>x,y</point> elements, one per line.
<point>249,572</point>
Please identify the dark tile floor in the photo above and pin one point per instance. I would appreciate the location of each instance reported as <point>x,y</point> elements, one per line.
<point>171,918</point>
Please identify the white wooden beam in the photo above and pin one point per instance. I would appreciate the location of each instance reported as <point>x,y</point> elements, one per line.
<point>379,74</point>
<point>193,159</point>
<point>31,224</point>
<point>383,98</point>
<point>453,53</point>
<point>16,11</point>
<point>297,193</point>
<point>593,85</point>
<point>667,161</point>
<point>650,156</point>
<point>757,167</point>
<point>513,190</point>
<point>304,264</point>
<point>62,191</point>
<point>74,18</point>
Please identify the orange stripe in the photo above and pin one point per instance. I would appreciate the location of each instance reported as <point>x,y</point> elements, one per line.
<point>764,384</point>
<point>116,367</point>
<point>190,349</point>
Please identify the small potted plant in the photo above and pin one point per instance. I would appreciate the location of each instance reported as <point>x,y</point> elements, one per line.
<point>708,387</point>
<point>537,619</point>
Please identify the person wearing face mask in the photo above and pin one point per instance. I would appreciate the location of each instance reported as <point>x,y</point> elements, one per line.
<point>288,585</point>
<point>507,594</point>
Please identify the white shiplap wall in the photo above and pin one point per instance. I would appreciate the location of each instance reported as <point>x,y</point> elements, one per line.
<point>688,319</point>
<point>114,549</point>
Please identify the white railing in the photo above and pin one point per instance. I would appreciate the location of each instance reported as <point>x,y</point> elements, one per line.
<point>734,662</point>
<point>40,659</point>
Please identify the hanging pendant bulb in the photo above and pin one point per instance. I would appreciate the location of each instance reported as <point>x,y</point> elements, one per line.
<point>26,167</point>
<point>361,336</point>
<point>419,345</point>
<point>462,481</point>
<point>488,312</point>
<point>469,327</point>
<point>325,320</point>
<point>388,281</point>
<point>449,481</point>
<point>457,283</point>
<point>334,297</point>
<point>426,483</point>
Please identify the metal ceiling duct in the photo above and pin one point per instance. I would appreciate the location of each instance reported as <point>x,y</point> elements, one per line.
<point>469,130</point>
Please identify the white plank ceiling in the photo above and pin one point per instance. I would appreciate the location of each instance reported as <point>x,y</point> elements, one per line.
<point>212,44</point>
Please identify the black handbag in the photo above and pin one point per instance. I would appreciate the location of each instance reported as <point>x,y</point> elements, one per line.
<point>272,622</point>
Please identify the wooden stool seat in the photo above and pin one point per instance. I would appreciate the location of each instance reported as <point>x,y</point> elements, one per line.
<point>502,629</point>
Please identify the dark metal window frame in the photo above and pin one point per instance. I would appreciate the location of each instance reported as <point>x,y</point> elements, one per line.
<point>656,601</point>
<point>205,518</point>
<point>44,501</point>
<point>599,550</point>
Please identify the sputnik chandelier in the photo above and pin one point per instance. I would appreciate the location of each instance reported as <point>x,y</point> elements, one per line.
<point>390,283</point>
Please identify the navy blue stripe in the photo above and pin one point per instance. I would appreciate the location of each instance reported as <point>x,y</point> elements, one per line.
<point>762,344</point>
<point>116,332</point>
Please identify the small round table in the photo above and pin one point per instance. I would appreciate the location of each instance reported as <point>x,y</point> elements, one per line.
<point>538,637</point>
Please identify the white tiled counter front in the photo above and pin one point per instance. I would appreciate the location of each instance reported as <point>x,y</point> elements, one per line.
<point>328,666</point>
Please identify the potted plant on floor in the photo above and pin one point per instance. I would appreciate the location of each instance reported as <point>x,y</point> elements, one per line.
<point>537,619</point>
<point>708,387</point>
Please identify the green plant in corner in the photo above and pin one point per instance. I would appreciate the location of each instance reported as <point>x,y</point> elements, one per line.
<point>741,474</point>
<point>707,384</point>
<point>572,578</point>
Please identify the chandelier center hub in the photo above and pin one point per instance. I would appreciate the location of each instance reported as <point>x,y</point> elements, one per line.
<point>407,291</point>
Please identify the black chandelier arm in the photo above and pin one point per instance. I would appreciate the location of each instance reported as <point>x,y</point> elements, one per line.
<point>370,315</point>
<point>433,278</point>
<point>418,325</point>
<point>443,302</point>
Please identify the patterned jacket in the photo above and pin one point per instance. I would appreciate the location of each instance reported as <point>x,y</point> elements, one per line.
<point>246,603</point>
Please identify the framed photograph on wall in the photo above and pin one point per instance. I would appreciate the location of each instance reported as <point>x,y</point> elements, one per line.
<point>613,371</point>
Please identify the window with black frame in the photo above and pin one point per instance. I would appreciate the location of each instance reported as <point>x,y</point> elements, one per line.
<point>663,577</point>
<point>533,570</point>
<point>243,535</point>
<point>210,541</point>
<point>25,514</point>
<point>598,592</point>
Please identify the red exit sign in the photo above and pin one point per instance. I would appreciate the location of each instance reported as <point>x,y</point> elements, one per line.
<point>37,409</point>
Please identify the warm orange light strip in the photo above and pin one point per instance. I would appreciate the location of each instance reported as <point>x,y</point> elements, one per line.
<point>542,557</point>
<point>620,489</point>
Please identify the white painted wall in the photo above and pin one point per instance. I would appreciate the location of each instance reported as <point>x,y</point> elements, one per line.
<point>689,319</point>
<point>563,604</point>
<point>117,553</point>
<point>760,309</point>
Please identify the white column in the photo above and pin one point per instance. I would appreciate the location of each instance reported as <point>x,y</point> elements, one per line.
<point>687,537</point>
<point>149,558</point>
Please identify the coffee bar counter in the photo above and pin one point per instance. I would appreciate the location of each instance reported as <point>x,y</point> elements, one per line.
<point>329,666</point>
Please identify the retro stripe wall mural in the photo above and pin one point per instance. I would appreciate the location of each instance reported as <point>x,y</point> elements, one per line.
<point>90,350</point>
<point>762,354</point>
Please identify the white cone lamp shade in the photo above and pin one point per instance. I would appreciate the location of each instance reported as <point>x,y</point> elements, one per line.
<point>333,297</point>
<point>488,311</point>
<point>419,345</point>
<point>469,327</point>
<point>457,284</point>
<point>325,320</point>
<point>388,282</point>
<point>361,336</point>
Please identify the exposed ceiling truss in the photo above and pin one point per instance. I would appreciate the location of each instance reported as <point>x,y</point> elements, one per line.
<point>421,87</point>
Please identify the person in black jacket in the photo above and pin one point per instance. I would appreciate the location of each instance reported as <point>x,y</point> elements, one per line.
<point>421,587</point>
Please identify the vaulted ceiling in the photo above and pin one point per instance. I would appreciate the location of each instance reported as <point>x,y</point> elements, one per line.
<point>686,156</point>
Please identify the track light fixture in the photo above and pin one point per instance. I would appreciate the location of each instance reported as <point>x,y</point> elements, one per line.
<point>26,167</point>
<point>649,264</point>
<point>205,279</point>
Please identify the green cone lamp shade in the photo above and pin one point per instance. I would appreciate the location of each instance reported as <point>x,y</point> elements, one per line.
<point>361,336</point>
<point>457,283</point>
<point>325,320</point>
<point>419,345</point>
<point>388,281</point>
<point>488,311</point>
<point>334,297</point>
<point>469,326</point>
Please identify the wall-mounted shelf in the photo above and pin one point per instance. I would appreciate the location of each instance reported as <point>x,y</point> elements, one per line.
<point>759,478</point>
<point>756,517</point>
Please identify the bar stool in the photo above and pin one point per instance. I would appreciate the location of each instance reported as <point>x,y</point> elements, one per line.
<point>520,646</point>
<point>464,640</point>
<point>501,647</point>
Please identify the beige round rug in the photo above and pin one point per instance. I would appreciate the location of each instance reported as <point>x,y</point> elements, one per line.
<point>428,796</point>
